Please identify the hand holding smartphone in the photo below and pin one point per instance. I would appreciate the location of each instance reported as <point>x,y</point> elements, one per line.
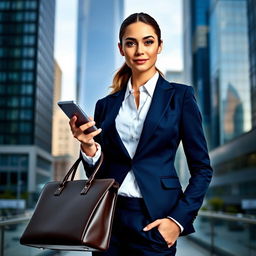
<point>71,108</point>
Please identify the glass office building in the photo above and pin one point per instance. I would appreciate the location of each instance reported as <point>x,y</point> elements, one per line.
<point>234,155</point>
<point>252,46</point>
<point>196,55</point>
<point>26,87</point>
<point>97,52</point>
<point>229,70</point>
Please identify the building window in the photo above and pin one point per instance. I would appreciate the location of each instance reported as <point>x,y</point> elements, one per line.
<point>31,4</point>
<point>28,52</point>
<point>26,114</point>
<point>27,76</point>
<point>3,76</point>
<point>28,64</point>
<point>2,89</point>
<point>43,164</point>
<point>27,89</point>
<point>12,114</point>
<point>25,127</point>
<point>25,139</point>
<point>29,39</point>
<point>30,16</point>
<point>5,5</point>
<point>17,5</point>
<point>13,89</point>
<point>26,102</point>
<point>29,28</point>
<point>13,102</point>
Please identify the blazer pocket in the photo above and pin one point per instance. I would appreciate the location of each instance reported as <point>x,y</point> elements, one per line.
<point>170,183</point>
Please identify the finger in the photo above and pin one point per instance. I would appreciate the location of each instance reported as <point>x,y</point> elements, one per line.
<point>152,225</point>
<point>91,135</point>
<point>72,122</point>
<point>86,137</point>
<point>83,127</point>
<point>91,118</point>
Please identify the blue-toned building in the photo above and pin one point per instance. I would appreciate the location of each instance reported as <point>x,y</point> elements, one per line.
<point>230,84</point>
<point>222,27</point>
<point>196,55</point>
<point>26,89</point>
<point>97,50</point>
<point>234,154</point>
<point>251,4</point>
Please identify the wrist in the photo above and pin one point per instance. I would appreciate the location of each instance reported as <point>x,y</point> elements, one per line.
<point>89,150</point>
<point>178,225</point>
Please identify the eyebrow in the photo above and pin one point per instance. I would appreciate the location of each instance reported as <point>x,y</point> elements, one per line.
<point>134,39</point>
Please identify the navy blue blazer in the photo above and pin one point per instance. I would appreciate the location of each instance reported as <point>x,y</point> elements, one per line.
<point>172,117</point>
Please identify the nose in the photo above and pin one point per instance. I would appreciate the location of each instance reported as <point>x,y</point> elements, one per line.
<point>140,49</point>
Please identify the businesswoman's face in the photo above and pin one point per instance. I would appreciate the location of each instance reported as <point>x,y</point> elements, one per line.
<point>140,46</point>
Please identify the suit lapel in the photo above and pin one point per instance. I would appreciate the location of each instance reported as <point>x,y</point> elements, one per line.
<point>161,100</point>
<point>114,103</point>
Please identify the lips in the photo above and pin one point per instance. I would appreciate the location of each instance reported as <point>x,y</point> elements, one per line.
<point>140,61</point>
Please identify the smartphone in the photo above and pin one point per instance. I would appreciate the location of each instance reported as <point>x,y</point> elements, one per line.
<point>71,108</point>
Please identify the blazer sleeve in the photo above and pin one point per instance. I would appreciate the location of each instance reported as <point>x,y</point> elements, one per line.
<point>97,118</point>
<point>196,152</point>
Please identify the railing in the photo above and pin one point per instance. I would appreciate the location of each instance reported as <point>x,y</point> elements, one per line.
<point>221,234</point>
<point>225,234</point>
<point>10,232</point>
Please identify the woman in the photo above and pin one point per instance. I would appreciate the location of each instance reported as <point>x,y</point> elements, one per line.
<point>142,123</point>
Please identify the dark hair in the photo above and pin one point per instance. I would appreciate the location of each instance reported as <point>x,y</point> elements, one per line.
<point>142,17</point>
<point>123,74</point>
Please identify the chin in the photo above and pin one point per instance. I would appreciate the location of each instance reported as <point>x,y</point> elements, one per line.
<point>142,69</point>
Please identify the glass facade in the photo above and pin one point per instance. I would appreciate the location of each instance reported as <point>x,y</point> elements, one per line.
<point>17,69</point>
<point>200,59</point>
<point>45,75</point>
<point>252,44</point>
<point>230,86</point>
<point>13,174</point>
<point>232,140</point>
<point>26,72</point>
<point>97,51</point>
<point>26,92</point>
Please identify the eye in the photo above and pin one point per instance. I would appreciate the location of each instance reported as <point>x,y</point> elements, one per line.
<point>148,42</point>
<point>129,43</point>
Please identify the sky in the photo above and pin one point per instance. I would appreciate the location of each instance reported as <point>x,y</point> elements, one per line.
<point>167,13</point>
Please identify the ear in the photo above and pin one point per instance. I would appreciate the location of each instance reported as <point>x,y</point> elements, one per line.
<point>120,49</point>
<point>160,47</point>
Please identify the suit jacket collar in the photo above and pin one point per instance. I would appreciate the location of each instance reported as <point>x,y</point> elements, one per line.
<point>161,100</point>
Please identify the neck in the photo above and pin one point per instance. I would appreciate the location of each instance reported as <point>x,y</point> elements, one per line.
<point>140,78</point>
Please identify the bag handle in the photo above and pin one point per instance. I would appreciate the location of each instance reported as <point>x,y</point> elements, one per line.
<point>73,170</point>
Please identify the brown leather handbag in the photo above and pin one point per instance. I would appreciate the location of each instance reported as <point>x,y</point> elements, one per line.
<point>73,214</point>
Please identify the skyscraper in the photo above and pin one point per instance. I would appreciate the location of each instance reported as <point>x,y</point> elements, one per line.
<point>232,143</point>
<point>233,156</point>
<point>26,85</point>
<point>196,55</point>
<point>230,85</point>
<point>187,42</point>
<point>97,51</point>
<point>251,4</point>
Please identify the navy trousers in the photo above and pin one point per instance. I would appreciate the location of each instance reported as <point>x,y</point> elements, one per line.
<point>128,237</point>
